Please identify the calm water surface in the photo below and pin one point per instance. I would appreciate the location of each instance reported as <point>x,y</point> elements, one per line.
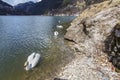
<point>20,36</point>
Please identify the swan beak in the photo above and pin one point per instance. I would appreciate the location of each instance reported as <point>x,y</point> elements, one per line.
<point>25,64</point>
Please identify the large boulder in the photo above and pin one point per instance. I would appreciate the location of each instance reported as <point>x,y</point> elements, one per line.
<point>90,34</point>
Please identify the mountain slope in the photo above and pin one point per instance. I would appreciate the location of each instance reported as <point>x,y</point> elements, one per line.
<point>47,7</point>
<point>5,8</point>
<point>38,8</point>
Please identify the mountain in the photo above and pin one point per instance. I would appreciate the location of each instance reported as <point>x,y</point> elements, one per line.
<point>15,2</point>
<point>24,7</point>
<point>5,8</point>
<point>38,8</point>
<point>46,7</point>
<point>29,8</point>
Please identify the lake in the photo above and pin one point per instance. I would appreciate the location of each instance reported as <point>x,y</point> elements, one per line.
<point>22,35</point>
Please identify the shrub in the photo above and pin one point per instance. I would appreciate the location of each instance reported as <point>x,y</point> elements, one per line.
<point>66,2</point>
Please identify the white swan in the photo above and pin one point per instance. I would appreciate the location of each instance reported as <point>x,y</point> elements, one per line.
<point>59,21</point>
<point>59,26</point>
<point>56,33</point>
<point>32,61</point>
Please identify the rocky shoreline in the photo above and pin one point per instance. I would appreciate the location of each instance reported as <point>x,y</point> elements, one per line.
<point>87,36</point>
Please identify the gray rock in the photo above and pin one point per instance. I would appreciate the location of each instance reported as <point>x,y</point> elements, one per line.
<point>94,33</point>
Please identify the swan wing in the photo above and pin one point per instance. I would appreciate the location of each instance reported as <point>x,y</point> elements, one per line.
<point>30,57</point>
<point>35,60</point>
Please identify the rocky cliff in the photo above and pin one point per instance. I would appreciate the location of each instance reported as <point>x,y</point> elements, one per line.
<point>94,38</point>
<point>30,8</point>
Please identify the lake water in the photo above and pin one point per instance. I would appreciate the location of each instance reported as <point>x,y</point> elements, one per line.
<point>22,35</point>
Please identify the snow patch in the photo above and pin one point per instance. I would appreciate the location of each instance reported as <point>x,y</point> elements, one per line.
<point>15,2</point>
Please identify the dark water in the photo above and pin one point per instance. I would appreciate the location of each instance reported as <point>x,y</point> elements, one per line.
<point>20,36</point>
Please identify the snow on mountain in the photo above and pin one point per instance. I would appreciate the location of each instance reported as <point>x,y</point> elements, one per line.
<point>15,2</point>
